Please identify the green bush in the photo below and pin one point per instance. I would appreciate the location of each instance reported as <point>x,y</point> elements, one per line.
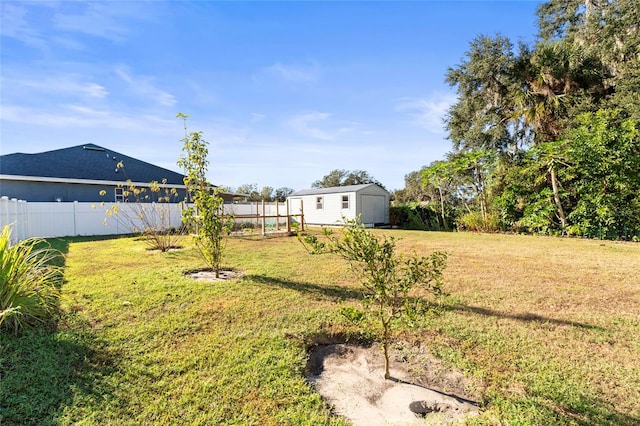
<point>473,221</point>
<point>415,217</point>
<point>28,282</point>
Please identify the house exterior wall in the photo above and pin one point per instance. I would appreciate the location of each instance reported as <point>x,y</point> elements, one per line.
<point>62,191</point>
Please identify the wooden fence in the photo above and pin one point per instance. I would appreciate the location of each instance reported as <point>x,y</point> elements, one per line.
<point>268,217</point>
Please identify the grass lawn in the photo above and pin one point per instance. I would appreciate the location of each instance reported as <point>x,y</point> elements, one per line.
<point>550,326</point>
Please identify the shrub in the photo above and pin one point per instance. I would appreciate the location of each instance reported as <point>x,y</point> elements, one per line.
<point>148,211</point>
<point>391,282</point>
<point>473,221</point>
<point>415,217</point>
<point>28,282</point>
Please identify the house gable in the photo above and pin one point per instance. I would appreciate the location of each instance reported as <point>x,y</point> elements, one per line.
<point>78,173</point>
<point>85,162</point>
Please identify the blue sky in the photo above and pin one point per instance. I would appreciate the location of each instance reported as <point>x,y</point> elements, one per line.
<point>284,91</point>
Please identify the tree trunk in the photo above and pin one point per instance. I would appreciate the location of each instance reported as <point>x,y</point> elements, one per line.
<point>556,198</point>
<point>385,345</point>
<point>444,219</point>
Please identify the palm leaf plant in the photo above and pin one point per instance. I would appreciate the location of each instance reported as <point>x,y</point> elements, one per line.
<point>29,281</point>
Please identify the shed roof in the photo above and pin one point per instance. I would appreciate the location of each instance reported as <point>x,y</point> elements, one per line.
<point>335,189</point>
<point>88,161</point>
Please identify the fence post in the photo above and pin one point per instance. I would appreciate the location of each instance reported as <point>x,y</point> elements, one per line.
<point>264,229</point>
<point>23,207</point>
<point>288,218</point>
<point>18,227</point>
<point>75,218</point>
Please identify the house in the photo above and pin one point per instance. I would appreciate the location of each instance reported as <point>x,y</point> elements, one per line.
<point>81,173</point>
<point>328,206</point>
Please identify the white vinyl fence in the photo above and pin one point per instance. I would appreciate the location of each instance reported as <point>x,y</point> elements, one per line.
<point>47,220</point>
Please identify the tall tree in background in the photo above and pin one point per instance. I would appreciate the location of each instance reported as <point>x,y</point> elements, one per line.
<point>518,128</point>
<point>611,31</point>
<point>339,177</point>
<point>267,193</point>
<point>559,79</point>
<point>484,83</point>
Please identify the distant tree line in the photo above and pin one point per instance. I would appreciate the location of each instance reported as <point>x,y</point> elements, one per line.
<point>267,193</point>
<point>545,137</point>
<point>339,177</point>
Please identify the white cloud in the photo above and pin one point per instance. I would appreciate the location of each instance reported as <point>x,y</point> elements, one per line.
<point>79,116</point>
<point>257,117</point>
<point>104,20</point>
<point>307,124</point>
<point>66,84</point>
<point>427,112</point>
<point>305,73</point>
<point>16,25</point>
<point>144,86</point>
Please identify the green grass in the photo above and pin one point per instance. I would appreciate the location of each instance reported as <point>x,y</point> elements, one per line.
<point>550,326</point>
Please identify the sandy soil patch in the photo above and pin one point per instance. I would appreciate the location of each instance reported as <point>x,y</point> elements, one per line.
<point>351,380</point>
<point>208,275</point>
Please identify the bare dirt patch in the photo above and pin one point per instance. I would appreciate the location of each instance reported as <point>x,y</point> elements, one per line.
<point>421,391</point>
<point>209,275</point>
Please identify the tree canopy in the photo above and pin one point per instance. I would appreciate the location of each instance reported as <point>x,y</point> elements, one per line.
<point>339,177</point>
<point>267,193</point>
<point>545,135</point>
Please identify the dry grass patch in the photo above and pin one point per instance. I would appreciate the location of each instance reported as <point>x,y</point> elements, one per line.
<point>549,326</point>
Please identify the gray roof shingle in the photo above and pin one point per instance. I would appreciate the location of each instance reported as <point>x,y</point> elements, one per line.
<point>88,161</point>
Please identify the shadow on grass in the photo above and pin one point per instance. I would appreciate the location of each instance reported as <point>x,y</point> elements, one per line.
<point>319,291</point>
<point>524,316</point>
<point>586,411</point>
<point>44,371</point>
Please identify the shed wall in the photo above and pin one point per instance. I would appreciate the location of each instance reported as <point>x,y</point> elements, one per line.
<point>371,203</point>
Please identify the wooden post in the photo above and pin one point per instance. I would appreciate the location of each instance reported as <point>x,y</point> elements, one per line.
<point>277,215</point>
<point>264,231</point>
<point>288,218</point>
<point>257,216</point>
<point>302,215</point>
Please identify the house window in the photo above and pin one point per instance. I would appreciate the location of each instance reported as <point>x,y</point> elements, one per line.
<point>119,194</point>
<point>319,203</point>
<point>345,201</point>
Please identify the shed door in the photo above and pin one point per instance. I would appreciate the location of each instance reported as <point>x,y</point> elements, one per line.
<point>372,209</point>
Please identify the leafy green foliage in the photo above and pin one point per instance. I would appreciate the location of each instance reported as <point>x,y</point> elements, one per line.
<point>207,216</point>
<point>388,279</point>
<point>28,282</point>
<point>415,216</point>
<point>524,151</point>
<point>267,193</point>
<point>605,156</point>
<point>339,177</point>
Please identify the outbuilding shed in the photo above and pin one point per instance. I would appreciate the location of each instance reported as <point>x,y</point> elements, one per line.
<point>328,206</point>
